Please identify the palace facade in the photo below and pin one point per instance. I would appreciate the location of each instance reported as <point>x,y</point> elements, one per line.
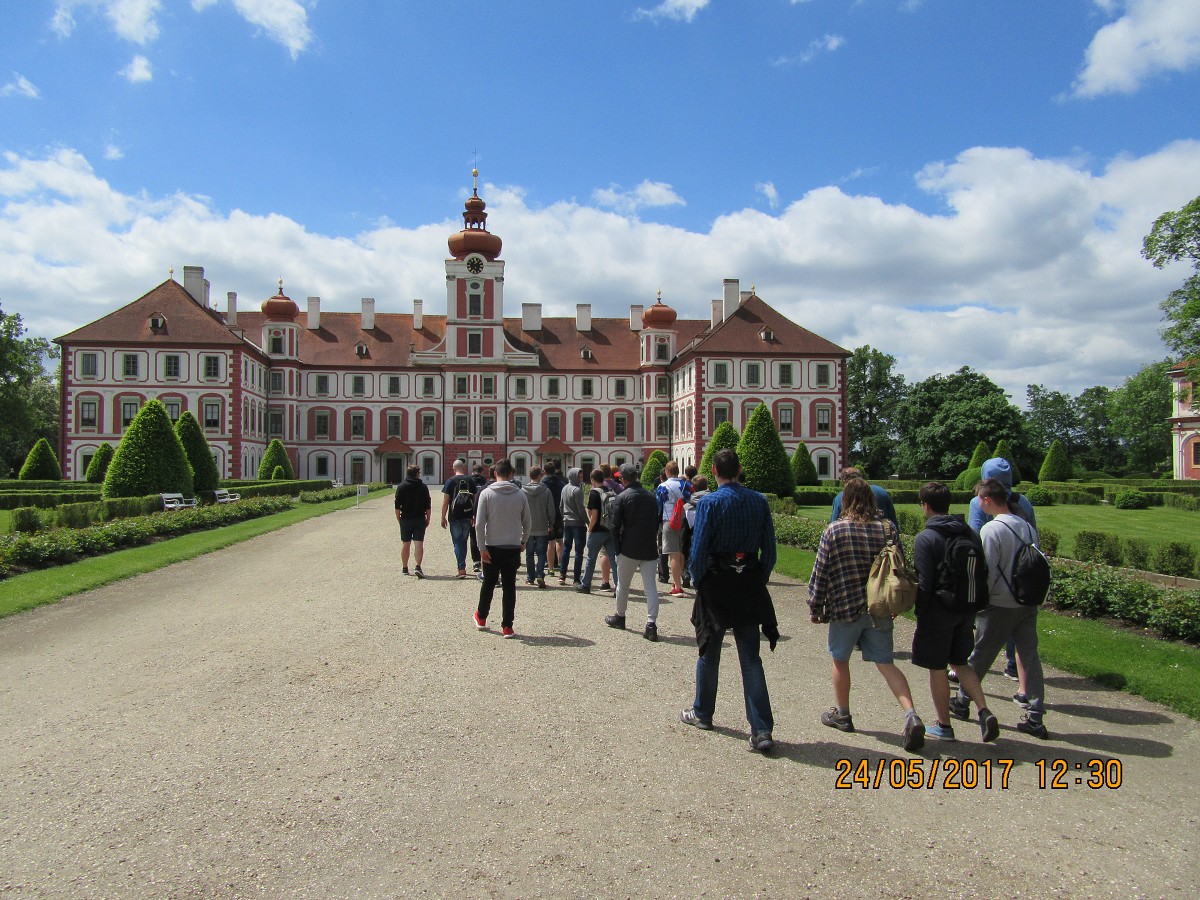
<point>359,396</point>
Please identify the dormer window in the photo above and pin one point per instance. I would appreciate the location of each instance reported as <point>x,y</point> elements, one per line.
<point>360,350</point>
<point>158,322</point>
<point>586,353</point>
<point>767,335</point>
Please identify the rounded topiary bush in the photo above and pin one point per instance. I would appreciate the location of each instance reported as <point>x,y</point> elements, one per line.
<point>278,474</point>
<point>149,459</point>
<point>1039,496</point>
<point>803,470</point>
<point>1131,500</point>
<point>98,467</point>
<point>1048,540</point>
<point>199,455</point>
<point>275,455</point>
<point>726,437</point>
<point>968,478</point>
<point>762,456</point>
<point>1137,553</point>
<point>1174,558</point>
<point>41,464</point>
<point>653,469</point>
<point>1098,546</point>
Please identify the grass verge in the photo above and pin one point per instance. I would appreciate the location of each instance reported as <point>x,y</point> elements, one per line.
<point>44,586</point>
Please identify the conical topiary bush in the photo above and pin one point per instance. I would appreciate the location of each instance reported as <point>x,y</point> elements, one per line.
<point>766,464</point>
<point>1056,466</point>
<point>98,467</point>
<point>275,455</point>
<point>205,478</point>
<point>149,459</point>
<point>726,437</point>
<point>803,470</point>
<point>41,464</point>
<point>652,469</point>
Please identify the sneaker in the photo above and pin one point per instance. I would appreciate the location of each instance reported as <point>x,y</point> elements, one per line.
<point>675,592</point>
<point>404,570</point>
<point>651,632</point>
<point>1012,675</point>
<point>834,719</point>
<point>615,622</point>
<point>960,708</point>
<point>476,567</point>
<point>1037,729</point>
<point>914,734</point>
<point>689,717</point>
<point>417,571</point>
<point>530,582</point>
<point>541,582</point>
<point>583,589</point>
<point>939,731</point>
<point>606,586</point>
<point>507,632</point>
<point>989,726</point>
<point>462,573</point>
<point>952,676</point>
<point>562,580</point>
<point>480,621</point>
<point>761,742</point>
<point>1022,700</point>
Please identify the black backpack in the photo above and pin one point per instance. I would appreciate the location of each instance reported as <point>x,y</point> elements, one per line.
<point>1030,581</point>
<point>464,499</point>
<point>962,575</point>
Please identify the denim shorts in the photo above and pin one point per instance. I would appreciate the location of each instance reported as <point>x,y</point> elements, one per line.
<point>874,636</point>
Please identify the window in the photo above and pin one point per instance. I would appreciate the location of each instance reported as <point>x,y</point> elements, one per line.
<point>171,367</point>
<point>720,413</point>
<point>553,425</point>
<point>587,426</point>
<point>1196,453</point>
<point>720,376</point>
<point>322,462</point>
<point>785,419</point>
<point>487,425</point>
<point>130,363</point>
<point>620,388</point>
<point>474,343</point>
<point>393,425</point>
<point>519,465</point>
<point>322,385</point>
<point>358,425</point>
<point>87,413</point>
<point>621,427</point>
<point>487,385</point>
<point>552,389</point>
<point>824,420</point>
<point>129,409</point>
<point>462,424</point>
<point>429,425</point>
<point>662,426</point>
<point>822,466</point>
<point>427,466</point>
<point>212,415</point>
<point>88,367</point>
<point>824,378</point>
<point>275,423</point>
<point>520,387</point>
<point>587,387</point>
<point>785,375</point>
<point>321,425</point>
<point>428,386</point>
<point>277,344</point>
<point>662,350</point>
<point>277,383</point>
<point>174,408</point>
<point>588,464</point>
<point>393,385</point>
<point>475,302</point>
<point>212,368</point>
<point>662,386</point>
<point>521,425</point>
<point>460,385</point>
<point>358,385</point>
<point>753,374</point>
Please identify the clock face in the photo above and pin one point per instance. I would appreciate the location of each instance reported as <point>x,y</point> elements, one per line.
<point>474,265</point>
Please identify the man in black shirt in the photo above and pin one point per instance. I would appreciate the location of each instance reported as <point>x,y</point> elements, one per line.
<point>413,509</point>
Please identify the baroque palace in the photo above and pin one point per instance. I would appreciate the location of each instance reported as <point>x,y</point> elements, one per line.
<point>360,396</point>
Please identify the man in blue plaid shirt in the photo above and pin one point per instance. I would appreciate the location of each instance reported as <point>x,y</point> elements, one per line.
<point>733,553</point>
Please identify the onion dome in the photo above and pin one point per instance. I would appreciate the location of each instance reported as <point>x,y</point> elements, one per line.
<point>280,307</point>
<point>474,238</point>
<point>659,315</point>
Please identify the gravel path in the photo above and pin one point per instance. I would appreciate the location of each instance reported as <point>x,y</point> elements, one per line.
<point>291,717</point>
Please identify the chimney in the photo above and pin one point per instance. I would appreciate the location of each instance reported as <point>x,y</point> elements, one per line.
<point>635,316</point>
<point>193,283</point>
<point>418,314</point>
<point>716,313</point>
<point>531,317</point>
<point>314,313</point>
<point>583,317</point>
<point>732,298</point>
<point>231,309</point>
<point>368,313</point>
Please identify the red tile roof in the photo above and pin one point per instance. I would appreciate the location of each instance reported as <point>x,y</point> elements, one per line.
<point>187,321</point>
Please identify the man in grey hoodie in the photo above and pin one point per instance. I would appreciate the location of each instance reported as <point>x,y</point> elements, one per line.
<point>574,519</point>
<point>502,525</point>
<point>542,513</point>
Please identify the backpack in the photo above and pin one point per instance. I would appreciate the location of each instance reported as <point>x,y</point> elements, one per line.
<point>607,498</point>
<point>464,499</point>
<point>675,523</point>
<point>962,575</point>
<point>891,585</point>
<point>1030,582</point>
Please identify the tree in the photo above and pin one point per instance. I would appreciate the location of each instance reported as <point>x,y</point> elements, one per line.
<point>41,464</point>
<point>947,415</point>
<point>1056,466</point>
<point>653,469</point>
<point>1175,237</point>
<point>874,395</point>
<point>98,467</point>
<point>1050,416</point>
<point>149,459</point>
<point>762,456</point>
<point>726,437</point>
<point>28,395</point>
<point>803,470</point>
<point>1099,448</point>
<point>204,468</point>
<point>1140,410</point>
<point>275,455</point>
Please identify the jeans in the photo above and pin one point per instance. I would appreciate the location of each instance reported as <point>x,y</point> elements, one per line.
<point>502,568</point>
<point>625,569</point>
<point>535,549</point>
<point>754,680</point>
<point>573,536</point>
<point>994,626</point>
<point>599,541</point>
<point>459,530</point>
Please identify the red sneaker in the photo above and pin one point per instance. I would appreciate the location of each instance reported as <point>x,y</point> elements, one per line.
<point>480,622</point>
<point>676,592</point>
<point>508,632</point>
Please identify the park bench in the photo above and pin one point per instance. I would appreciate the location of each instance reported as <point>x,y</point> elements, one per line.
<point>223,496</point>
<point>176,501</point>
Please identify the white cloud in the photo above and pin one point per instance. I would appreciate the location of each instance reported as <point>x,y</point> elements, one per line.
<point>1032,273</point>
<point>646,194</point>
<point>829,43</point>
<point>132,20</point>
<point>20,86</point>
<point>138,70</point>
<point>284,21</point>
<point>768,190</point>
<point>1152,37</point>
<point>680,10</point>
<point>113,153</point>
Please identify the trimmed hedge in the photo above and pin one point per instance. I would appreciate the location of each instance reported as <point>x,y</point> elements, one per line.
<point>47,499</point>
<point>1097,590</point>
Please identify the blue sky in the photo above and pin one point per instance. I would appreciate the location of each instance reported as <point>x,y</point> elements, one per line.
<point>953,183</point>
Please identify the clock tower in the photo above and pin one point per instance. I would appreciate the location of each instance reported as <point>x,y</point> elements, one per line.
<point>475,287</point>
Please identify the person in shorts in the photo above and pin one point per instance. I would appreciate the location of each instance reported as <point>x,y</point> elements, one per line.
<point>413,509</point>
<point>944,637</point>
<point>837,594</point>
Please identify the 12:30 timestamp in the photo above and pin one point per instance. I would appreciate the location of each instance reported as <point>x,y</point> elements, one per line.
<point>1060,774</point>
<point>969,774</point>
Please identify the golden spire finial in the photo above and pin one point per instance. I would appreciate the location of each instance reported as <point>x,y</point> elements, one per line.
<point>753,291</point>
<point>281,285</point>
<point>660,295</point>
<point>171,273</point>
